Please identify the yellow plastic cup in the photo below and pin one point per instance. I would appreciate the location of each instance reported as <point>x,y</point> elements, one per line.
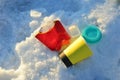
<point>76,52</point>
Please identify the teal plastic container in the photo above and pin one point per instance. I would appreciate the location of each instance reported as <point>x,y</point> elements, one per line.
<point>92,34</point>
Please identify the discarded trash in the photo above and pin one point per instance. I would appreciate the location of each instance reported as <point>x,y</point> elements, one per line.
<point>76,52</point>
<point>92,34</point>
<point>54,38</point>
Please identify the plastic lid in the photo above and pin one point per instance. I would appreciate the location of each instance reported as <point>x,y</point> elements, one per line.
<point>92,34</point>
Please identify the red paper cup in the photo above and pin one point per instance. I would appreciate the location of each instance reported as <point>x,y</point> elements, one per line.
<point>55,38</point>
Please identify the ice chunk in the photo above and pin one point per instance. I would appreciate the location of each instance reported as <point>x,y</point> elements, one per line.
<point>33,23</point>
<point>74,31</point>
<point>35,14</point>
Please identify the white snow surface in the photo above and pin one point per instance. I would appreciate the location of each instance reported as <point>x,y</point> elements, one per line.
<point>23,57</point>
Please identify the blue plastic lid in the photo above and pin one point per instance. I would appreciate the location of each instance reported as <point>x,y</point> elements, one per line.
<point>92,34</point>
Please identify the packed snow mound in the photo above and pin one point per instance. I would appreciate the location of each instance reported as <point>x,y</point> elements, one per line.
<point>23,57</point>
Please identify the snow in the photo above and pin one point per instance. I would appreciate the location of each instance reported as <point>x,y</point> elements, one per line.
<point>23,57</point>
<point>33,24</point>
<point>48,23</point>
<point>35,14</point>
<point>74,31</point>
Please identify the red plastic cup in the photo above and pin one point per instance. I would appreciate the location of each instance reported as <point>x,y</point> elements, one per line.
<point>55,38</point>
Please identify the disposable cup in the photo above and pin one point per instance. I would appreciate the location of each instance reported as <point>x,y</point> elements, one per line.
<point>76,52</point>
